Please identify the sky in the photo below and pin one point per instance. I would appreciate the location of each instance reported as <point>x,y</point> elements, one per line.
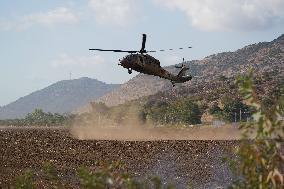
<point>43,41</point>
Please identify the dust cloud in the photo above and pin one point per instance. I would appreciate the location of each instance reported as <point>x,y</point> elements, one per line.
<point>151,133</point>
<point>125,124</point>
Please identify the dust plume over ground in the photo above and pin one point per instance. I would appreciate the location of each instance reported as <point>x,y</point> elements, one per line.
<point>146,133</point>
<point>124,123</point>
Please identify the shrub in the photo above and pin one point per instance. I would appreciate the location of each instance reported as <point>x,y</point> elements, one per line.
<point>260,161</point>
<point>25,181</point>
<point>109,175</point>
<point>183,111</point>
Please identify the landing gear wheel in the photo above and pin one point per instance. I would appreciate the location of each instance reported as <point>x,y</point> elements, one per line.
<point>129,71</point>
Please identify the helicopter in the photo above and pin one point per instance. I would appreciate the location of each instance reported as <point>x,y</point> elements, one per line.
<point>142,62</point>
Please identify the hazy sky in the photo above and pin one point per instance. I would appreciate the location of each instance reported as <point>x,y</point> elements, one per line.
<point>42,41</point>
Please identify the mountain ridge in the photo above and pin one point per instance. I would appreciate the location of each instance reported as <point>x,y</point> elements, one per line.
<point>61,97</point>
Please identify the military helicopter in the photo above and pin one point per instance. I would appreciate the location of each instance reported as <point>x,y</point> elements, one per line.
<point>142,62</point>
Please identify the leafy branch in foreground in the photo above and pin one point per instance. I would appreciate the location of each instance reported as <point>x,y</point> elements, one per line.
<point>260,160</point>
<point>104,175</point>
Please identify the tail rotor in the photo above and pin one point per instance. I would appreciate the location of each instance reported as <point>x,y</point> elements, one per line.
<point>183,68</point>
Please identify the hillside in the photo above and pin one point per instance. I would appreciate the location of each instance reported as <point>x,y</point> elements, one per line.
<point>263,57</point>
<point>139,86</point>
<point>61,97</point>
<point>219,89</point>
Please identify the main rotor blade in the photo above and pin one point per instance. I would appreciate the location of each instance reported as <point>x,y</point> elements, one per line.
<point>141,51</point>
<point>113,50</point>
<point>162,50</point>
<point>143,43</point>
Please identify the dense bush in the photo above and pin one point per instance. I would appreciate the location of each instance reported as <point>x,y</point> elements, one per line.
<point>177,112</point>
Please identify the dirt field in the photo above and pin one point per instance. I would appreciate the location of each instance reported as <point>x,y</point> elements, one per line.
<point>179,161</point>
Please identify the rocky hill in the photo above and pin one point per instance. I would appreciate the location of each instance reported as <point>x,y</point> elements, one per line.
<point>263,57</point>
<point>61,97</point>
<point>267,84</point>
<point>139,86</point>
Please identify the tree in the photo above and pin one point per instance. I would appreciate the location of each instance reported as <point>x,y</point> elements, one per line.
<point>187,112</point>
<point>183,111</point>
<point>39,118</point>
<point>215,109</point>
<point>36,117</point>
<point>235,110</point>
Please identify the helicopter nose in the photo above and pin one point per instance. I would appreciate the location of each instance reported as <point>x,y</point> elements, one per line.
<point>122,63</point>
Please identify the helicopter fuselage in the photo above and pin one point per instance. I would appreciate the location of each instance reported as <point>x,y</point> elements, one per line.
<point>147,64</point>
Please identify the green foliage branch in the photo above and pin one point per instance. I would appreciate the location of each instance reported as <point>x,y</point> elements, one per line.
<point>260,160</point>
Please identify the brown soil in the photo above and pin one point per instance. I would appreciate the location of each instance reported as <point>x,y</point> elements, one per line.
<point>179,161</point>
